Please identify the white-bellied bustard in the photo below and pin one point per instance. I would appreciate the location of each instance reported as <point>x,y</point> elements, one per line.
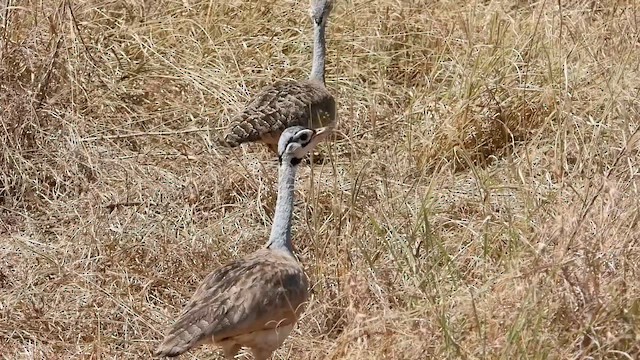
<point>254,301</point>
<point>305,103</point>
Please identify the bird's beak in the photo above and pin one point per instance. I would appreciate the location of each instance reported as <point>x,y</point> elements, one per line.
<point>321,133</point>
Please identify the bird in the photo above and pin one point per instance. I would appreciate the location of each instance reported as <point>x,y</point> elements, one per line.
<point>283,104</point>
<point>253,301</point>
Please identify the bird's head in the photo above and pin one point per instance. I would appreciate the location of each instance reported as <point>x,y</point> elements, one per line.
<point>320,10</point>
<point>297,141</point>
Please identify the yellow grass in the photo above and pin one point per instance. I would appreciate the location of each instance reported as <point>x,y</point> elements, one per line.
<point>481,202</point>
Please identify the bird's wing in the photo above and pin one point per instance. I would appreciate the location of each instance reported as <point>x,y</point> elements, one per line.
<point>261,291</point>
<point>277,107</point>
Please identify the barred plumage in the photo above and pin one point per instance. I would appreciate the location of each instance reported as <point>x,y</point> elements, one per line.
<point>305,103</point>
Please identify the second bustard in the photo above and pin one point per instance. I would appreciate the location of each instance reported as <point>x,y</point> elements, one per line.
<point>306,103</point>
<point>256,300</point>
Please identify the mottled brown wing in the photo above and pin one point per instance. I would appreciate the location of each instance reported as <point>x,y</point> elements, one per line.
<point>257,292</point>
<point>276,107</point>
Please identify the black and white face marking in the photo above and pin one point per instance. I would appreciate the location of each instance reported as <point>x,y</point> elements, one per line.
<point>294,160</point>
<point>296,142</point>
<point>304,138</point>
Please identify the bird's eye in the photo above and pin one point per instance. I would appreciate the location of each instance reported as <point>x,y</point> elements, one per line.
<point>304,137</point>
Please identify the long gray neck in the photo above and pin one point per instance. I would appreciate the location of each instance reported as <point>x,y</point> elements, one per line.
<point>280,237</point>
<point>319,53</point>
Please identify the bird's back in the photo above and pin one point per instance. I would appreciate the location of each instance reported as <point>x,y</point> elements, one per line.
<point>307,103</point>
<point>262,291</point>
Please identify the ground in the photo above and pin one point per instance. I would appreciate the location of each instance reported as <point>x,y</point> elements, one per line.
<point>480,200</point>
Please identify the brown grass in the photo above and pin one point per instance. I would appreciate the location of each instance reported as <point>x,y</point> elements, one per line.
<point>482,203</point>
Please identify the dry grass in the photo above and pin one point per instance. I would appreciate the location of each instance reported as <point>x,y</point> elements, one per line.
<point>482,203</point>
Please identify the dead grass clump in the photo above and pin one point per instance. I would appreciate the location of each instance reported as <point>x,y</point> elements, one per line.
<point>481,201</point>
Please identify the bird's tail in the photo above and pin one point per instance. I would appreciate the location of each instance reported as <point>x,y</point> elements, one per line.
<point>229,140</point>
<point>178,342</point>
<point>243,132</point>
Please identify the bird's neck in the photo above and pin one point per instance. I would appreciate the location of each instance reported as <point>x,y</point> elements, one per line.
<point>319,53</point>
<point>280,237</point>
